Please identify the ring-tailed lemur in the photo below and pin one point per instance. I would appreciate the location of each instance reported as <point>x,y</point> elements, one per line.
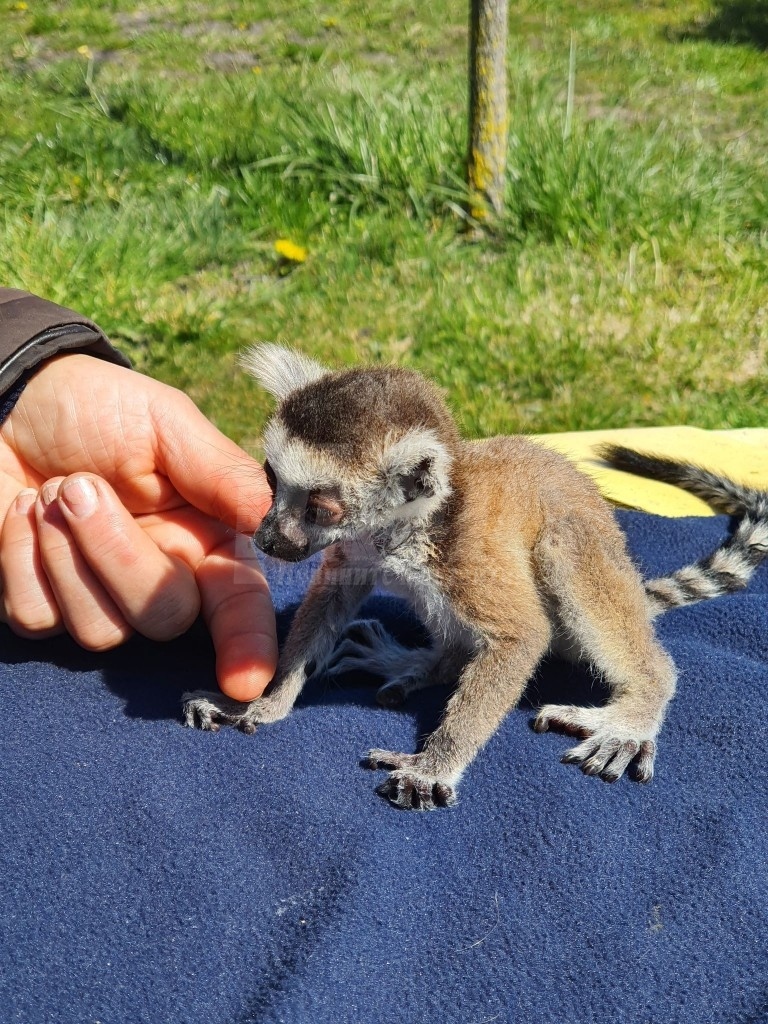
<point>505,550</point>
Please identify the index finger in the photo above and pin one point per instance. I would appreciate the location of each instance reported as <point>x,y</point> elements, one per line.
<point>207,468</point>
<point>238,609</point>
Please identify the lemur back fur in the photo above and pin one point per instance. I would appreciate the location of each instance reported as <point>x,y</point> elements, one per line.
<point>505,550</point>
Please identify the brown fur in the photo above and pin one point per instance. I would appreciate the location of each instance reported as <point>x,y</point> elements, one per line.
<point>506,550</point>
<point>386,399</point>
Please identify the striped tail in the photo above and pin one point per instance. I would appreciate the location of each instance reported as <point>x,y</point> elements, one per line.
<point>732,565</point>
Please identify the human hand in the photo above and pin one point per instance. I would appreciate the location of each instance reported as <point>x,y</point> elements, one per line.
<point>119,503</point>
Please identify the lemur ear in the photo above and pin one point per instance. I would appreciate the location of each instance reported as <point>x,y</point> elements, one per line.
<point>417,465</point>
<point>280,370</point>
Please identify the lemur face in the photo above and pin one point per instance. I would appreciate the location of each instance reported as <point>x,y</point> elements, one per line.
<point>318,502</point>
<point>298,524</point>
<point>310,507</point>
<point>348,453</point>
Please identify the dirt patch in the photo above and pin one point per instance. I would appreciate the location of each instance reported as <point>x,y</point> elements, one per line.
<point>592,106</point>
<point>378,57</point>
<point>195,29</point>
<point>137,23</point>
<point>231,60</point>
<point>44,58</point>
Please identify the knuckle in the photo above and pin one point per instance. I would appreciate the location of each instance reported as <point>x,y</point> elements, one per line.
<point>170,615</point>
<point>101,638</point>
<point>31,621</point>
<point>99,630</point>
<point>115,547</point>
<point>35,628</point>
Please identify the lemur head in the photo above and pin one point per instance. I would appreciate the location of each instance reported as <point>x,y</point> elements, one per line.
<point>348,452</point>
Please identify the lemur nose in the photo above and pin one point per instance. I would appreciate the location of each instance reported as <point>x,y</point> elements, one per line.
<point>271,541</point>
<point>264,537</point>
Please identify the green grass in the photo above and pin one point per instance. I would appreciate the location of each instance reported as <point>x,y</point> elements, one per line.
<point>151,154</point>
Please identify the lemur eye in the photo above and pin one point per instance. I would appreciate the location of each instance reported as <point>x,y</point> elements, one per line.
<point>271,478</point>
<point>323,511</point>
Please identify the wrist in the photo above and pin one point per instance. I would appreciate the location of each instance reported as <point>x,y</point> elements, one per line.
<point>11,397</point>
<point>33,330</point>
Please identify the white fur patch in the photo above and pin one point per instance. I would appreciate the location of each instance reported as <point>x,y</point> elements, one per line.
<point>280,370</point>
<point>730,561</point>
<point>418,445</point>
<point>692,576</point>
<point>294,464</point>
<point>419,508</point>
<point>755,535</point>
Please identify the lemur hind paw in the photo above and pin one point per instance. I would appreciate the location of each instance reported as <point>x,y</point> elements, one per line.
<point>366,646</point>
<point>392,694</point>
<point>609,745</point>
<point>407,787</point>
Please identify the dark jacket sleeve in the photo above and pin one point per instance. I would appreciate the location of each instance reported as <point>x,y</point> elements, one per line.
<point>33,329</point>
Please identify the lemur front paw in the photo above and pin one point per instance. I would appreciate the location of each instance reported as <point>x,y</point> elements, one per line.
<point>610,744</point>
<point>209,711</point>
<point>407,787</point>
<point>366,646</point>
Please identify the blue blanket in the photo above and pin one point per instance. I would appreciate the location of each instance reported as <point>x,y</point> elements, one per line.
<point>155,873</point>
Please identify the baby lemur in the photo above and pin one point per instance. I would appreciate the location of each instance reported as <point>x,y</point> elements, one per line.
<point>505,550</point>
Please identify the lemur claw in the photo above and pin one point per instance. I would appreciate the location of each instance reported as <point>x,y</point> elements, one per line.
<point>205,710</point>
<point>413,792</point>
<point>609,747</point>
<point>209,711</point>
<point>376,759</point>
<point>407,787</point>
<point>366,646</point>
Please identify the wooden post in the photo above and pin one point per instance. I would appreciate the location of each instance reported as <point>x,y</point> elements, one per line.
<point>488,121</point>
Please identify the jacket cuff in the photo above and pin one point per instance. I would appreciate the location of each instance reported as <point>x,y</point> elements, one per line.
<point>33,329</point>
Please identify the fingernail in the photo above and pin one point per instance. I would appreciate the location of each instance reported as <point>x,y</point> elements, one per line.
<point>79,496</point>
<point>48,493</point>
<point>24,501</point>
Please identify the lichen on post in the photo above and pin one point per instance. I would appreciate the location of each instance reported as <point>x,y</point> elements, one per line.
<point>488,119</point>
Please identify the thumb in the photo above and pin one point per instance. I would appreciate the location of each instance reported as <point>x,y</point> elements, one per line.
<point>238,609</point>
<point>208,469</point>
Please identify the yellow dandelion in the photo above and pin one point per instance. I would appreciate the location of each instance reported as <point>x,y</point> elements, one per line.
<point>21,6</point>
<point>256,70</point>
<point>290,251</point>
<point>85,51</point>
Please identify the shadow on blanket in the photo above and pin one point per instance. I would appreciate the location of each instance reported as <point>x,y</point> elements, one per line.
<point>154,873</point>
